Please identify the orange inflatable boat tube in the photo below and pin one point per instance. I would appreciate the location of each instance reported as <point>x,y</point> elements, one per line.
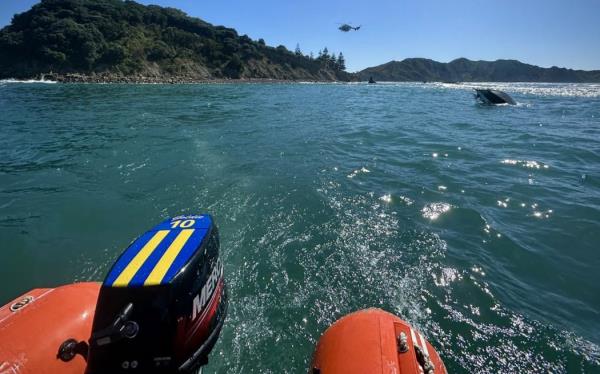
<point>34,327</point>
<point>374,341</point>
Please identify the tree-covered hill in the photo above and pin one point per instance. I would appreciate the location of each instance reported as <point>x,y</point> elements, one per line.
<point>464,70</point>
<point>116,38</point>
<point>124,38</point>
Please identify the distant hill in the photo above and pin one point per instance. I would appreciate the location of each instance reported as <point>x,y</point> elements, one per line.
<point>464,70</point>
<point>124,38</point>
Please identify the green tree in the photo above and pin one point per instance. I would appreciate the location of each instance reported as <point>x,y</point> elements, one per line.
<point>233,68</point>
<point>113,54</point>
<point>341,62</point>
<point>332,63</point>
<point>117,36</point>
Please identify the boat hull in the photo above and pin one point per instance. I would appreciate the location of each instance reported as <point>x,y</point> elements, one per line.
<point>493,97</point>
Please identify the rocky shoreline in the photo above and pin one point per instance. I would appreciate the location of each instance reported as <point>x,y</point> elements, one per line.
<point>141,79</point>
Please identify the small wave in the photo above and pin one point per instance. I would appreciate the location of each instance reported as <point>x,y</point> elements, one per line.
<point>446,276</point>
<point>388,198</point>
<point>3,81</point>
<point>358,171</point>
<point>434,210</point>
<point>530,164</point>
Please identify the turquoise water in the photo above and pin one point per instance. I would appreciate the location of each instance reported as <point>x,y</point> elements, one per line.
<point>478,225</point>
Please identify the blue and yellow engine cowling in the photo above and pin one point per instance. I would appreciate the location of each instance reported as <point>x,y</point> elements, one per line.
<point>159,310</point>
<point>167,295</point>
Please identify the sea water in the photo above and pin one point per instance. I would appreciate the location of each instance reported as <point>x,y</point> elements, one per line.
<point>478,225</point>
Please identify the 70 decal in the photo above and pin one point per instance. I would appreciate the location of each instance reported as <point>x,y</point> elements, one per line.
<point>183,224</point>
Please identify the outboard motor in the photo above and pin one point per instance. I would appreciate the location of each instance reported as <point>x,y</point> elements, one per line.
<point>163,303</point>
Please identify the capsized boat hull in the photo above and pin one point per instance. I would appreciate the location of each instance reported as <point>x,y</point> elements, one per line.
<point>493,97</point>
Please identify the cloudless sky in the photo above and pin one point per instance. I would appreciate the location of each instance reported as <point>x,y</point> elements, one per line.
<point>564,33</point>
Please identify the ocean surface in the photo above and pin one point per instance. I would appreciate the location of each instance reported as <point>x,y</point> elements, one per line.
<point>478,225</point>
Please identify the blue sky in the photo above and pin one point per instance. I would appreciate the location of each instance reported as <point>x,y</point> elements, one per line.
<point>541,32</point>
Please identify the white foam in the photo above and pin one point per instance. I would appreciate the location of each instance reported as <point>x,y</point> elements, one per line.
<point>434,210</point>
<point>539,89</point>
<point>530,164</point>
<point>2,81</point>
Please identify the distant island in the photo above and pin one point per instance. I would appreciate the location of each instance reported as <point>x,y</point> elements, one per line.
<point>464,70</point>
<point>123,41</point>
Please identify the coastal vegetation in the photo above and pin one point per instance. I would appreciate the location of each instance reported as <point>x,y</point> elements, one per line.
<point>123,41</point>
<point>464,70</point>
<point>124,38</point>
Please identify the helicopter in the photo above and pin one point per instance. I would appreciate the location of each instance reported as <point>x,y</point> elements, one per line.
<point>346,27</point>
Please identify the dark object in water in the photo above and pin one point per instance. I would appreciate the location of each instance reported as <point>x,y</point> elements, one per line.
<point>493,97</point>
<point>371,80</point>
